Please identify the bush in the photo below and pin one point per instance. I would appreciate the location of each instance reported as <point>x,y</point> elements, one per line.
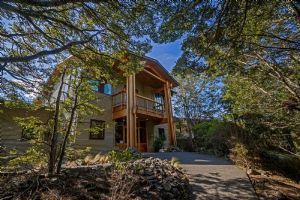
<point>282,163</point>
<point>123,155</point>
<point>212,135</point>
<point>119,157</point>
<point>33,158</point>
<point>239,155</point>
<point>159,143</point>
<point>73,154</point>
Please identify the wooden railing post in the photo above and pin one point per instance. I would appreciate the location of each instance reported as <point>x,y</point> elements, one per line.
<point>131,111</point>
<point>169,112</point>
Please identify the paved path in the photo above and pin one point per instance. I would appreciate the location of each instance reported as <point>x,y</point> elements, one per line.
<point>212,177</point>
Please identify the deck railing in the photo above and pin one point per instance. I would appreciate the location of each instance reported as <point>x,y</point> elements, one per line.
<point>119,101</point>
<point>149,105</point>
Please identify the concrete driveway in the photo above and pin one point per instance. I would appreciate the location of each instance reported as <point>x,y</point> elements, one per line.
<point>212,177</point>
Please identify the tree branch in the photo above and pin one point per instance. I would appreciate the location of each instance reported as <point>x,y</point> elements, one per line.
<point>15,59</point>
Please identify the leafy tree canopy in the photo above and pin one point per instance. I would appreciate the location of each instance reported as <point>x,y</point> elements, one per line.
<point>254,45</point>
<point>34,35</point>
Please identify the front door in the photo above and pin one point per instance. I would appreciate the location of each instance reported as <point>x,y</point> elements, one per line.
<point>141,136</point>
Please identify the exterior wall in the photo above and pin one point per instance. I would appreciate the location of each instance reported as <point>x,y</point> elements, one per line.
<point>82,139</point>
<point>144,90</point>
<point>150,135</point>
<point>11,132</point>
<point>164,126</point>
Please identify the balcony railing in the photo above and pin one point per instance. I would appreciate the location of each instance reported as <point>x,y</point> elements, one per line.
<point>119,101</point>
<point>144,105</point>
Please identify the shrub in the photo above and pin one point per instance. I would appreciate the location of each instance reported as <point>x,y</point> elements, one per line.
<point>119,157</point>
<point>159,143</point>
<point>282,163</point>
<point>239,155</point>
<point>33,158</point>
<point>123,155</point>
<point>212,135</point>
<point>73,154</point>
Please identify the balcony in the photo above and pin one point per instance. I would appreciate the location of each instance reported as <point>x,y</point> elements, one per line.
<point>145,107</point>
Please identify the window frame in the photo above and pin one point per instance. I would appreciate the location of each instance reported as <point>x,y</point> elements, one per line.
<point>98,136</point>
<point>101,88</point>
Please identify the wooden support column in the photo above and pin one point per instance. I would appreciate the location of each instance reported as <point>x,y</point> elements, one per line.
<point>168,107</point>
<point>131,111</point>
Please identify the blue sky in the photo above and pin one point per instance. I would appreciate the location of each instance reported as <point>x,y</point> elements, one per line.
<point>166,54</point>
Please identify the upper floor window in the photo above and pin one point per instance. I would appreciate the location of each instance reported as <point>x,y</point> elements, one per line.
<point>104,88</point>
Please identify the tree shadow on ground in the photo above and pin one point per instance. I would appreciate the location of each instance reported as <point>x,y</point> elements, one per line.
<point>213,187</point>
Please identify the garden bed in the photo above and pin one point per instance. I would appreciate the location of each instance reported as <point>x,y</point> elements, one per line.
<point>149,178</point>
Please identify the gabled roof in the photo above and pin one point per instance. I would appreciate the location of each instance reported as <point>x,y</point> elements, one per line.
<point>163,72</point>
<point>150,62</point>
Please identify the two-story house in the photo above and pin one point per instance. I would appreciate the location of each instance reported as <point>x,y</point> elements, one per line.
<point>135,113</point>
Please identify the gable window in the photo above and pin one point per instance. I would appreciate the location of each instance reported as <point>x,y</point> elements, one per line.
<point>97,129</point>
<point>104,88</point>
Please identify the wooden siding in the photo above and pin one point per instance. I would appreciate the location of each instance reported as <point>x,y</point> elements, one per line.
<point>11,132</point>
<point>82,139</point>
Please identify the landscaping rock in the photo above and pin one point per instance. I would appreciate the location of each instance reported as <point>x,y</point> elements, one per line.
<point>159,176</point>
<point>150,178</point>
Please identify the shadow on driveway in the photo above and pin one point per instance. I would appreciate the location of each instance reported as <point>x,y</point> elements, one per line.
<point>212,177</point>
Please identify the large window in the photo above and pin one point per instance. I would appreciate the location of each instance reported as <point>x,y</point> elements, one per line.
<point>97,129</point>
<point>104,88</point>
<point>121,132</point>
<point>159,102</point>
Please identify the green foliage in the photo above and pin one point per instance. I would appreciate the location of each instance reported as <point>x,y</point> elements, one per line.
<point>159,142</point>
<point>212,135</point>
<point>46,35</point>
<point>283,163</point>
<point>32,127</point>
<point>73,154</point>
<point>254,47</point>
<point>118,156</point>
<point>33,158</point>
<point>240,153</point>
<point>197,97</point>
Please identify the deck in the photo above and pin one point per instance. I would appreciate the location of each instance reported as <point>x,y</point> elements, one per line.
<point>145,107</point>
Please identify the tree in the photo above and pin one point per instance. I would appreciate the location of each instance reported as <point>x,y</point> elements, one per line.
<point>80,100</point>
<point>252,45</point>
<point>37,34</point>
<point>196,99</point>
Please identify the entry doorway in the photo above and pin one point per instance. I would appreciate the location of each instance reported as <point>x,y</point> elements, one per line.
<point>121,134</point>
<point>141,133</point>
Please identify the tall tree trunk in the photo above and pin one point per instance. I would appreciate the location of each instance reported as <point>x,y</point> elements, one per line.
<point>189,126</point>
<point>63,147</point>
<point>54,136</point>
